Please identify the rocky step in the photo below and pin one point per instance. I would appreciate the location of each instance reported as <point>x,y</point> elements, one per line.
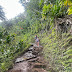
<point>36,51</point>
<point>26,56</point>
<point>41,60</point>
<point>39,65</point>
<point>30,49</point>
<point>19,60</point>
<point>16,70</point>
<point>38,70</point>
<point>20,67</point>
<point>33,59</point>
<point>33,44</point>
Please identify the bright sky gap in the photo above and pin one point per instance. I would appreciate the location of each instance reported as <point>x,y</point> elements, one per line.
<point>11,8</point>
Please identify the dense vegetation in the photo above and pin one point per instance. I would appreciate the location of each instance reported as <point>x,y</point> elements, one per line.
<point>11,45</point>
<point>57,51</point>
<point>40,18</point>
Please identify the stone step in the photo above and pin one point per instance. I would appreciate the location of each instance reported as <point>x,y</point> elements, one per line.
<point>16,70</point>
<point>26,56</point>
<point>41,60</point>
<point>38,70</point>
<point>39,65</point>
<point>33,60</point>
<point>19,60</point>
<point>33,44</point>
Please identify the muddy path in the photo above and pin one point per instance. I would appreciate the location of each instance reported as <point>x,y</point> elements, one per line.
<point>31,61</point>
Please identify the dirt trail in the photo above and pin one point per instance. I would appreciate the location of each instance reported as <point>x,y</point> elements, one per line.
<point>30,61</point>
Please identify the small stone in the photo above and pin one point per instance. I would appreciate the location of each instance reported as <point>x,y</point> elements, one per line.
<point>19,60</point>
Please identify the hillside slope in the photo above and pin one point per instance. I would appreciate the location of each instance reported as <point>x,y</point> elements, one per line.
<point>58,51</point>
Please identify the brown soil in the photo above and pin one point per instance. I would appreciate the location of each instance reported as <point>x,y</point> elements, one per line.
<point>30,61</point>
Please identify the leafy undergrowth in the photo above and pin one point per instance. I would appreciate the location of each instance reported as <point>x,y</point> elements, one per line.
<point>11,46</point>
<point>58,51</point>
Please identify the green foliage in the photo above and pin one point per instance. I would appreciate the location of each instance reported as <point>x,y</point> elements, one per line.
<point>10,47</point>
<point>68,3</point>
<point>70,10</point>
<point>8,39</point>
<point>58,52</point>
<point>38,17</point>
<point>1,34</point>
<point>46,9</point>
<point>55,10</point>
